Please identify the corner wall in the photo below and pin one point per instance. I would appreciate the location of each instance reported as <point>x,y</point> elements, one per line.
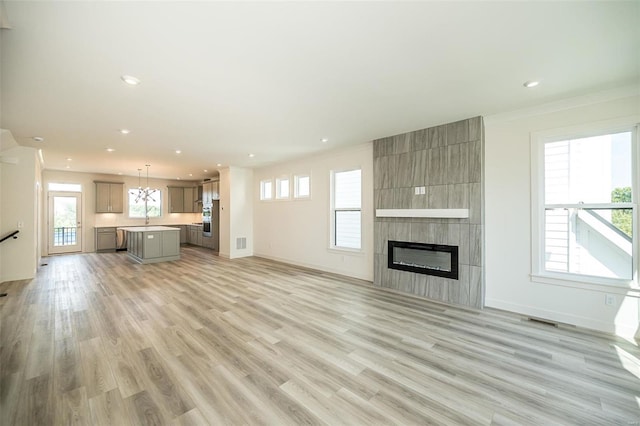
<point>508,220</point>
<point>19,203</point>
<point>297,231</point>
<point>447,161</point>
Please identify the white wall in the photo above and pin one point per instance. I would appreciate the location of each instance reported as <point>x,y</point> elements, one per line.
<point>90,219</point>
<point>508,222</point>
<point>298,231</point>
<point>241,211</point>
<point>19,203</point>
<point>225,219</point>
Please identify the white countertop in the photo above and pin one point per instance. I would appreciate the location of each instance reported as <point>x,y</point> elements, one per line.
<point>147,228</point>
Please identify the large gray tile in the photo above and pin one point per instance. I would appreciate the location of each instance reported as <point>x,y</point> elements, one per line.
<point>474,150</point>
<point>380,172</point>
<point>475,128</point>
<point>419,201</point>
<point>475,203</point>
<point>380,233</point>
<point>453,291</point>
<point>457,132</point>
<point>463,244</point>
<point>463,282</point>
<point>405,281</point>
<point>419,168</point>
<point>392,176</point>
<point>436,166</point>
<point>458,196</point>
<point>435,289</point>
<point>402,198</point>
<point>438,196</point>
<point>402,143</point>
<point>383,198</point>
<point>383,147</point>
<point>419,140</point>
<point>457,167</point>
<point>404,164</point>
<point>399,231</point>
<point>475,245</point>
<point>437,136</point>
<point>476,290</point>
<point>419,232</point>
<point>378,266</point>
<point>437,233</point>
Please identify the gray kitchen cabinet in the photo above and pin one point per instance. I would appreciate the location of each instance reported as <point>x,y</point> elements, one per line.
<point>195,235</point>
<point>176,199</point>
<point>207,189</point>
<point>105,239</point>
<point>183,199</point>
<point>215,190</point>
<point>109,197</point>
<point>184,234</point>
<point>150,244</point>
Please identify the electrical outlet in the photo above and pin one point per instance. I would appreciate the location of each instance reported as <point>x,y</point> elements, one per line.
<point>610,299</point>
<point>417,190</point>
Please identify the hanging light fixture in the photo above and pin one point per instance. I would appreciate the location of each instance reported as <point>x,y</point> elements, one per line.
<point>145,194</point>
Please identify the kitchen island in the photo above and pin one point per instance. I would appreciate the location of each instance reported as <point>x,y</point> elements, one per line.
<point>151,244</point>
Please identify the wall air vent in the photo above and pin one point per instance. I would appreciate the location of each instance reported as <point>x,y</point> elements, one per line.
<point>241,243</point>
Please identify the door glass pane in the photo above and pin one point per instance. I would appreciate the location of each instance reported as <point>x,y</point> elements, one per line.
<point>65,221</point>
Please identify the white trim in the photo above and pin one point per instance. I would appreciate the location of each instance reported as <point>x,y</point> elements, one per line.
<point>323,268</point>
<point>537,145</point>
<point>433,213</point>
<point>565,104</point>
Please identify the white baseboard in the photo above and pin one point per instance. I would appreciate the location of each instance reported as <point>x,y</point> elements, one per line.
<point>578,321</point>
<point>317,267</point>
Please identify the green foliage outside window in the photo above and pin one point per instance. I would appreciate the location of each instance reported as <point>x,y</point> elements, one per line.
<point>622,219</point>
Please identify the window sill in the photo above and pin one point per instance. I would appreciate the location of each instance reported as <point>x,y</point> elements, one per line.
<point>345,250</point>
<point>604,285</point>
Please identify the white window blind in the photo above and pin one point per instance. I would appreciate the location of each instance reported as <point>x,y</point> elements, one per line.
<point>347,201</point>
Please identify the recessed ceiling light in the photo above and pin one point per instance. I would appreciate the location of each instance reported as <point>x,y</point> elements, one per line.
<point>251,155</point>
<point>178,151</point>
<point>69,158</point>
<point>206,171</point>
<point>68,167</point>
<point>219,165</point>
<point>190,174</point>
<point>129,79</point>
<point>178,178</point>
<point>110,149</point>
<point>324,140</point>
<point>120,173</point>
<point>530,84</point>
<point>124,131</point>
<point>38,138</point>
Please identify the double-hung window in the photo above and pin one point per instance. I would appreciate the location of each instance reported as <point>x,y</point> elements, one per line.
<point>346,205</point>
<point>585,223</point>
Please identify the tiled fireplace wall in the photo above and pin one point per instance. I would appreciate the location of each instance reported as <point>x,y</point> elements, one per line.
<point>448,161</point>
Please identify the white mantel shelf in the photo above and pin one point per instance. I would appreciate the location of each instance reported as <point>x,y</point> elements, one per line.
<point>433,213</point>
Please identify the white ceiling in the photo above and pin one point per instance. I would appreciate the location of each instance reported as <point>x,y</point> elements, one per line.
<point>221,80</point>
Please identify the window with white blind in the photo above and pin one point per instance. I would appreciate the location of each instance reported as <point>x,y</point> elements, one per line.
<point>346,202</point>
<point>585,207</point>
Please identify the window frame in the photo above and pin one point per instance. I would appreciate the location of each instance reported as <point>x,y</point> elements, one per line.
<point>277,189</point>
<point>262,186</point>
<point>296,186</point>
<point>130,193</point>
<point>333,210</point>
<point>537,144</point>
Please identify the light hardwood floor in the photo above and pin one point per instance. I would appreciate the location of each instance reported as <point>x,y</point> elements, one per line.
<point>97,339</point>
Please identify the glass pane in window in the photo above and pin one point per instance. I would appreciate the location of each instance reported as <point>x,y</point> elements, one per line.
<point>137,205</point>
<point>594,242</point>
<point>348,229</point>
<point>283,188</point>
<point>347,190</point>
<point>302,189</point>
<point>68,187</point>
<point>266,190</point>
<point>590,170</point>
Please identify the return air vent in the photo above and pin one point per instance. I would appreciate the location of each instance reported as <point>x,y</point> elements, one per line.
<point>241,243</point>
<point>543,322</point>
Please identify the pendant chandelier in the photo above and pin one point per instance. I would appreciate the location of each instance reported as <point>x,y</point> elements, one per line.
<point>144,194</point>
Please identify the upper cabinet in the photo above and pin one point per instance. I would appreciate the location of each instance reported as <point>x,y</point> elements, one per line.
<point>109,197</point>
<point>183,199</point>
<point>210,192</point>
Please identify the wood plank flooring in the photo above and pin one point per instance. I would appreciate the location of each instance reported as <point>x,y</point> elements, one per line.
<point>95,339</point>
